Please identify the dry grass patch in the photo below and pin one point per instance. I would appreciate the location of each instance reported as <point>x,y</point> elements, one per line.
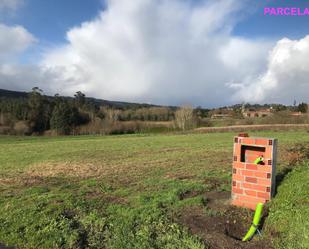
<point>92,170</point>
<point>7,181</point>
<point>71,169</point>
<point>23,180</point>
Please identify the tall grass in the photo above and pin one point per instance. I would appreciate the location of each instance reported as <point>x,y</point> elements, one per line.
<point>288,222</point>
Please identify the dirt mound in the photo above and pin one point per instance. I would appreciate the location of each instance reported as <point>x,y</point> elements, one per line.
<point>221,225</point>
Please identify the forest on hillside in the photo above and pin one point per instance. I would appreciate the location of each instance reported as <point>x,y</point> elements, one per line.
<point>34,113</point>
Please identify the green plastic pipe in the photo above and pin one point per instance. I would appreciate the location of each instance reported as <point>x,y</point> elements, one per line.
<point>255,223</point>
<point>258,160</point>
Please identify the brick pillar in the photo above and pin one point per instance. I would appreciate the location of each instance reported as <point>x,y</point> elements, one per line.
<point>253,183</point>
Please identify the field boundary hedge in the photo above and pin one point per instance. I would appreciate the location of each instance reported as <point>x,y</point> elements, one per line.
<point>265,127</point>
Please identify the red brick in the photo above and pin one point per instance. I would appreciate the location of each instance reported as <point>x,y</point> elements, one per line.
<point>265,182</point>
<point>268,152</point>
<point>237,149</point>
<point>236,202</point>
<point>238,177</point>
<point>237,190</point>
<point>263,195</point>
<point>251,179</point>
<point>264,168</point>
<point>243,134</point>
<point>254,186</point>
<point>238,165</point>
<point>251,193</point>
<point>254,154</point>
<point>250,205</point>
<point>251,166</point>
<point>250,141</point>
<point>237,152</point>
<point>260,141</point>
<point>252,183</point>
<point>246,198</point>
<point>251,158</point>
<point>247,172</point>
<point>239,203</point>
<point>260,174</point>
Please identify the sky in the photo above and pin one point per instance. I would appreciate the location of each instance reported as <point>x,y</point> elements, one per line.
<point>172,52</point>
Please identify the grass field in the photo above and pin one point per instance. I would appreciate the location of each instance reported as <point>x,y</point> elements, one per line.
<point>132,191</point>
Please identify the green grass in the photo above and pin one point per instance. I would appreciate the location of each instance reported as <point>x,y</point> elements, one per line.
<point>288,221</point>
<point>49,198</point>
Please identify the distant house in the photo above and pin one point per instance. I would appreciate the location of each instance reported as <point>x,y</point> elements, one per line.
<point>221,116</point>
<point>296,114</point>
<point>257,113</point>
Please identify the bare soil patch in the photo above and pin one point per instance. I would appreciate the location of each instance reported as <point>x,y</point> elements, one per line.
<point>222,227</point>
<point>20,180</point>
<point>189,194</point>
<point>214,183</point>
<point>217,201</point>
<point>179,176</point>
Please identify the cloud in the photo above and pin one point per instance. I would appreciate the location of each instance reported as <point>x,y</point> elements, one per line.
<point>286,77</point>
<point>23,77</point>
<point>167,52</point>
<point>164,52</point>
<point>10,5</point>
<point>13,41</point>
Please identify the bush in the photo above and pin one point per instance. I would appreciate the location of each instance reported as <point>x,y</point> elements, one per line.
<point>22,128</point>
<point>298,153</point>
<point>104,127</point>
<point>283,117</point>
<point>63,118</point>
<point>5,130</point>
<point>185,118</point>
<point>6,119</point>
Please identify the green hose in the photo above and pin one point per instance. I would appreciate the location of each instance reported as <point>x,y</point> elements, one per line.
<point>259,160</point>
<point>255,223</point>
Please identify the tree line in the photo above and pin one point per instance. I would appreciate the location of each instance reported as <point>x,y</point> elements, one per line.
<point>35,113</point>
<point>38,113</point>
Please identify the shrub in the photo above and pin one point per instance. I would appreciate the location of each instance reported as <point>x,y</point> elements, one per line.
<point>184,118</point>
<point>22,128</point>
<point>63,118</point>
<point>5,130</point>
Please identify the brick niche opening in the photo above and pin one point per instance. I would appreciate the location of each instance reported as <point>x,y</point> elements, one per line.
<point>249,153</point>
<point>253,183</point>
